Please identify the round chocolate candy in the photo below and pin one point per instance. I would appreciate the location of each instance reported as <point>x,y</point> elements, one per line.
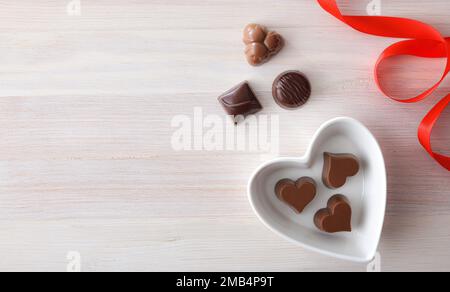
<point>291,90</point>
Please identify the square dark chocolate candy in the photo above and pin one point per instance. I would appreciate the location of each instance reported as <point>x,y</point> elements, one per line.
<point>240,101</point>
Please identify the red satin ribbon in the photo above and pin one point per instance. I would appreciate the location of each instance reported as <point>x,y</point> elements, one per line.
<point>422,41</point>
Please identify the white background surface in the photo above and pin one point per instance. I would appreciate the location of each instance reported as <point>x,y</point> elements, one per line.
<point>86,162</point>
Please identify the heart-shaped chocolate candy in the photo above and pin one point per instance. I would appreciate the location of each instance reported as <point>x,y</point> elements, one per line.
<point>297,194</point>
<point>337,217</point>
<point>337,168</point>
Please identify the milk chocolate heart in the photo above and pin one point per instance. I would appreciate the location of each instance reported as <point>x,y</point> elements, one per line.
<point>337,217</point>
<point>297,194</point>
<point>337,168</point>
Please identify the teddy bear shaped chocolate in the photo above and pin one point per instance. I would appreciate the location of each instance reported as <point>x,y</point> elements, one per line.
<point>261,44</point>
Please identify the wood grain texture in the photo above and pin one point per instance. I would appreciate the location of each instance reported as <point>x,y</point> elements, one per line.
<point>86,162</point>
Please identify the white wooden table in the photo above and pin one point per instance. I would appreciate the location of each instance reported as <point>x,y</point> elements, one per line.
<point>86,162</point>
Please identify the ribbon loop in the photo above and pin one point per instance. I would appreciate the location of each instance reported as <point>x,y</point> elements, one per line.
<point>422,40</point>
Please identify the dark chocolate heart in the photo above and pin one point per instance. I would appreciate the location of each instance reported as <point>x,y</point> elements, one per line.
<point>337,217</point>
<point>337,168</point>
<point>297,194</point>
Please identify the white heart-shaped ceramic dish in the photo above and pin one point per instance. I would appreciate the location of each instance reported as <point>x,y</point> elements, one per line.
<point>367,192</point>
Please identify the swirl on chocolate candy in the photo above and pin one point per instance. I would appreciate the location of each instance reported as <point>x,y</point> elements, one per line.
<point>291,89</point>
